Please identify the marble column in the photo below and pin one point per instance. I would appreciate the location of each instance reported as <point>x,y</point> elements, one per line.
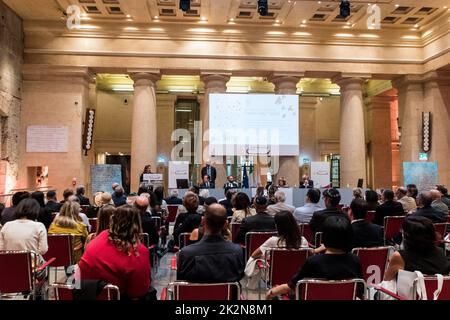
<point>144,124</point>
<point>410,107</point>
<point>286,166</point>
<point>380,137</point>
<point>214,83</point>
<point>308,133</point>
<point>352,141</point>
<point>436,101</point>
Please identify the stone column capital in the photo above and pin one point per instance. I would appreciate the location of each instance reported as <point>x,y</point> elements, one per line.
<point>144,77</point>
<point>68,74</point>
<point>285,82</point>
<point>349,83</point>
<point>215,82</point>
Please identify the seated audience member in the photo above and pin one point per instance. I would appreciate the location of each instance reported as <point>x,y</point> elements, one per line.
<point>100,199</point>
<point>229,193</point>
<point>365,234</point>
<point>203,194</point>
<point>201,200</point>
<point>84,201</point>
<point>230,184</point>
<point>288,235</point>
<point>197,234</point>
<point>336,264</point>
<point>118,197</point>
<point>357,193</point>
<point>68,221</point>
<point>413,192</point>
<point>81,216</point>
<point>66,194</point>
<point>437,203</point>
<point>388,208</point>
<point>331,198</point>
<point>260,192</point>
<point>187,222</point>
<point>52,204</point>
<point>147,224</point>
<point>445,196</point>
<point>304,214</point>
<point>9,214</point>
<point>262,221</point>
<point>131,198</point>
<point>241,207</point>
<point>118,257</point>
<point>212,260</point>
<point>159,197</point>
<point>280,205</point>
<point>372,200</point>
<point>103,221</point>
<point>24,233</point>
<point>408,203</point>
<point>271,195</point>
<point>174,199</point>
<point>419,252</point>
<point>427,211</point>
<point>144,188</point>
<point>282,183</point>
<point>44,216</point>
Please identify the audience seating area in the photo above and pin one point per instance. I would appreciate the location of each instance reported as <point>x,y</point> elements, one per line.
<point>22,275</point>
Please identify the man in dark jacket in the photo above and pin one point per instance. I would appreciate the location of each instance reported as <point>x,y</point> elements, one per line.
<point>118,197</point>
<point>260,222</point>
<point>148,226</point>
<point>365,234</point>
<point>173,199</point>
<point>212,260</point>
<point>389,208</point>
<point>427,211</point>
<point>84,201</point>
<point>331,198</point>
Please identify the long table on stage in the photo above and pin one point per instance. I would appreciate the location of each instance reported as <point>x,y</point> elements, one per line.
<point>294,196</point>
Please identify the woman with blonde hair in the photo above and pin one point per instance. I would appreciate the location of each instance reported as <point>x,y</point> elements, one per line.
<point>68,222</point>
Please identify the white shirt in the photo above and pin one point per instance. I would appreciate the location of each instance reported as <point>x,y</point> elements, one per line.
<point>272,242</point>
<point>305,213</point>
<point>24,235</point>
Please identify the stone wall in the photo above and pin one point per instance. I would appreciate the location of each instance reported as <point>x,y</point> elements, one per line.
<point>11,60</point>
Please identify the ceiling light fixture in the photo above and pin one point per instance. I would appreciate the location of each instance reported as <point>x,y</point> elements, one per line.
<point>345,8</point>
<point>185,5</point>
<point>263,7</point>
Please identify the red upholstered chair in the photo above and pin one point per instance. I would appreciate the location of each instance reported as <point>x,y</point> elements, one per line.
<point>370,216</point>
<point>172,213</point>
<point>314,289</point>
<point>253,240</point>
<point>63,292</point>
<point>17,274</point>
<point>392,227</point>
<point>441,230</point>
<point>93,223</point>
<point>60,247</point>
<point>235,227</point>
<point>284,263</point>
<point>374,262</point>
<point>196,291</point>
<point>85,209</point>
<point>183,239</point>
<point>306,232</point>
<point>431,286</point>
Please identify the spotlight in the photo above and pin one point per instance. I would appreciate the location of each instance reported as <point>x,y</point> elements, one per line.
<point>185,5</point>
<point>263,7</point>
<point>345,8</point>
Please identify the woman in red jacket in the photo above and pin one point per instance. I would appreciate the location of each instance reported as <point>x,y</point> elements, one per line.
<point>118,257</point>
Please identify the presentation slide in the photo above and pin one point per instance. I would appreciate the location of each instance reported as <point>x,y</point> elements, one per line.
<point>251,124</point>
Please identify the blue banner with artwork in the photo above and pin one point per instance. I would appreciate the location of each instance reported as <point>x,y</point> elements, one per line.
<point>423,174</point>
<point>104,175</point>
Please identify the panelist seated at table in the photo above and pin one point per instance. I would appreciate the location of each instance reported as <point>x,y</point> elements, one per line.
<point>230,184</point>
<point>206,183</point>
<point>306,182</point>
